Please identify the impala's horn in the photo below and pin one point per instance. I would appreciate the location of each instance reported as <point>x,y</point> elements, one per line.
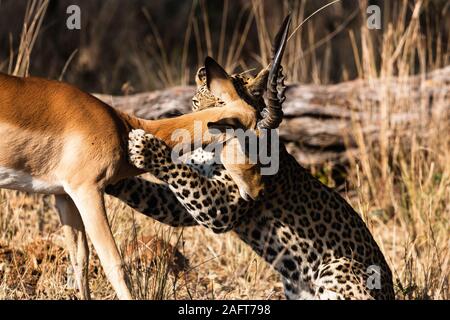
<point>273,114</point>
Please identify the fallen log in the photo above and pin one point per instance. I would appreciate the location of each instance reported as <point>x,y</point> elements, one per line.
<point>319,119</point>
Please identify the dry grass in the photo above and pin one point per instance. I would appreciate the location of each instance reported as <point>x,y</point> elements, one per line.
<point>399,181</point>
<point>219,267</point>
<point>402,177</point>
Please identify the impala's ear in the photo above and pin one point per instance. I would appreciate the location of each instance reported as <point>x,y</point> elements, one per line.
<point>219,82</point>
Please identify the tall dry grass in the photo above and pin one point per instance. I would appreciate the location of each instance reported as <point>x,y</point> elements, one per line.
<point>399,180</point>
<point>34,15</point>
<point>403,175</point>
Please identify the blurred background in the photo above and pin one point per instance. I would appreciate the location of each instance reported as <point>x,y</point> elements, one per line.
<point>145,45</point>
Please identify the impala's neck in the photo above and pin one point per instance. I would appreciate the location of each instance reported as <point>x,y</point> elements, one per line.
<point>195,126</point>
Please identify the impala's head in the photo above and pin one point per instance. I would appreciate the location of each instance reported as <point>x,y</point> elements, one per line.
<point>216,88</point>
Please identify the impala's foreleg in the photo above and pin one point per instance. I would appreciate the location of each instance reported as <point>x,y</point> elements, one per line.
<point>90,203</point>
<point>76,242</point>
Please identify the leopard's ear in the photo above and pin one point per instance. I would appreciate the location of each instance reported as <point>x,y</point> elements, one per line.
<point>219,82</point>
<point>200,77</point>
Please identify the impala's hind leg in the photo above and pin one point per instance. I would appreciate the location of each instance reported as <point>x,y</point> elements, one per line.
<point>90,203</point>
<point>76,242</point>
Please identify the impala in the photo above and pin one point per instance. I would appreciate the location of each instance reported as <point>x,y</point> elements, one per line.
<point>56,139</point>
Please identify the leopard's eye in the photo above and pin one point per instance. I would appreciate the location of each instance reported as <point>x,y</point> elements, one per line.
<point>195,103</point>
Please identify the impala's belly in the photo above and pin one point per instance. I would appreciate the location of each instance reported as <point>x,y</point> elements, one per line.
<point>22,181</point>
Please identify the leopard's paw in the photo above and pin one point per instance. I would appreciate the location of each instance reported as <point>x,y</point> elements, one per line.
<point>136,148</point>
<point>146,151</point>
